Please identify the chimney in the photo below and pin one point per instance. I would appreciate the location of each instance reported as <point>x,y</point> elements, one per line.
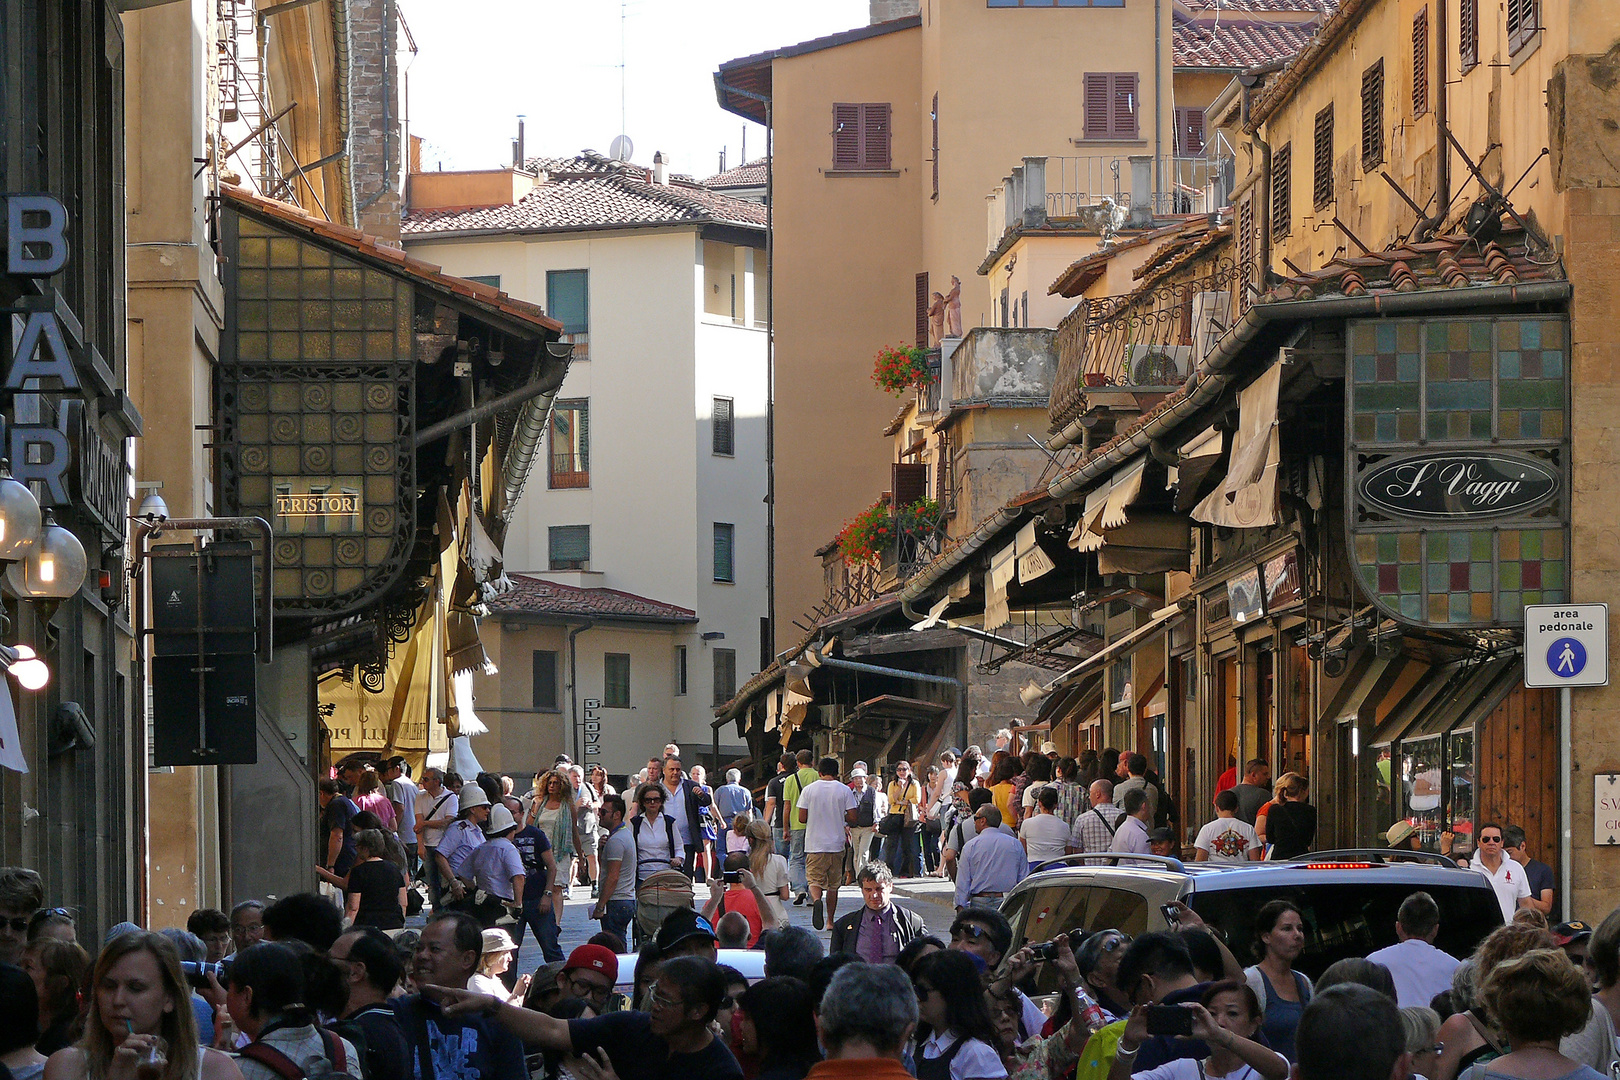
<point>658,167</point>
<point>1014,195</point>
<point>1034,208</point>
<point>519,148</point>
<point>722,160</point>
<point>885,10</point>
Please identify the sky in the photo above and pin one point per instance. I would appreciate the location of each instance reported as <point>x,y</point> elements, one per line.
<point>481,63</point>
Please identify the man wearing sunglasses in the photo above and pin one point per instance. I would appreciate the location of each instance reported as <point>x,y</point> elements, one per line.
<point>21,894</point>
<point>985,933</point>
<point>1507,877</point>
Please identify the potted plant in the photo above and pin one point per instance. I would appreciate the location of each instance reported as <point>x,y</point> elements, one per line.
<point>867,535</point>
<point>900,368</point>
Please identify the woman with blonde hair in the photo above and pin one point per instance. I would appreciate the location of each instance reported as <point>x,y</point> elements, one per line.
<point>139,1014</point>
<point>553,812</point>
<point>1536,1000</point>
<point>770,870</point>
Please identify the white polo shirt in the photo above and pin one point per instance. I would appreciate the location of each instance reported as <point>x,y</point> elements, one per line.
<point>1510,882</point>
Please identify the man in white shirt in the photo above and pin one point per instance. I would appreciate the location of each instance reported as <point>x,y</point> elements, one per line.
<point>826,808</point>
<point>1227,839</point>
<point>1507,877</point>
<point>436,808</point>
<point>402,793</point>
<point>1419,969</point>
<point>1043,832</point>
<point>1132,834</point>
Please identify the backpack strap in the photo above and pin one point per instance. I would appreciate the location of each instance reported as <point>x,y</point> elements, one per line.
<point>1112,829</point>
<point>334,1050</point>
<point>272,1059</point>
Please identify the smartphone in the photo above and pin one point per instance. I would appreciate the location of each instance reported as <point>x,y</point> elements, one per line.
<point>1172,914</point>
<point>1169,1020</point>
<point>731,877</point>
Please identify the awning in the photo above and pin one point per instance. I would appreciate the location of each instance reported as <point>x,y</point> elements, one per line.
<point>1417,705</point>
<point>1032,561</point>
<point>1347,706</point>
<point>1126,487</point>
<point>1151,542</point>
<point>1248,497</point>
<point>1124,647</point>
<point>1478,692</point>
<point>1003,566</point>
<point>1199,458</point>
<point>1087,535</point>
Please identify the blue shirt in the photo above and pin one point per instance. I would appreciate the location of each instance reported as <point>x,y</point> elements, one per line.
<point>458,1048</point>
<point>731,800</point>
<point>992,862</point>
<point>532,843</point>
<point>458,843</point>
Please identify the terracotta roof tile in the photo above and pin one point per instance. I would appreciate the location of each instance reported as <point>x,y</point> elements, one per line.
<point>1447,262</point>
<point>1238,44</point>
<point>368,246</point>
<point>537,596</point>
<point>1320,7</point>
<point>743,176</point>
<point>597,194</point>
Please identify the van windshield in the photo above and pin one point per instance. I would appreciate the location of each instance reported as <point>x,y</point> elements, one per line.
<point>1344,919</point>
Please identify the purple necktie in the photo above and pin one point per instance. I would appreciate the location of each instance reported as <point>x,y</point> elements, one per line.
<point>874,937</point>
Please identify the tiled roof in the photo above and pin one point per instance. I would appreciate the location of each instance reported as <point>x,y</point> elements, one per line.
<point>1320,7</point>
<point>622,197</point>
<point>362,244</point>
<point>743,176</point>
<point>1087,269</point>
<point>537,596</point>
<point>1446,262</point>
<point>584,163</point>
<point>1238,44</point>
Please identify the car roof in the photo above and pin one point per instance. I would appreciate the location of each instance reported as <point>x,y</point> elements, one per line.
<point>1216,877</point>
<point>751,962</point>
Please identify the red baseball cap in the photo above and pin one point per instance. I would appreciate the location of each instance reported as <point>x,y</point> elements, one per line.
<point>594,958</point>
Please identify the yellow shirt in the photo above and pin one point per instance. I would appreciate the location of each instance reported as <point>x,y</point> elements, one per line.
<point>910,792</point>
<point>1003,793</point>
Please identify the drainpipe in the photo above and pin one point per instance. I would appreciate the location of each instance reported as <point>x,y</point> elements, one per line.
<point>1442,159</point>
<point>1158,100</point>
<point>573,681</point>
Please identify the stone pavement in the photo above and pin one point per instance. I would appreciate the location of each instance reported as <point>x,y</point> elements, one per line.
<point>928,897</point>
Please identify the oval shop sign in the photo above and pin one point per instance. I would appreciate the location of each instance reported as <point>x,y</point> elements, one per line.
<point>1458,485</point>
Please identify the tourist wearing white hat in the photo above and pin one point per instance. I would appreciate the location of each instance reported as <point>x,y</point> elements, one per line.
<point>868,813</point>
<point>499,952</point>
<point>496,870</point>
<point>460,839</point>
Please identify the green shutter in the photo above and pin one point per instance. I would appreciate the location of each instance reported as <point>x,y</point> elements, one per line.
<point>568,299</point>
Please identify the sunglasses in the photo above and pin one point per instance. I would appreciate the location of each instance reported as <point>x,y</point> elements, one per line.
<point>977,933</point>
<point>18,926</point>
<point>1490,839</point>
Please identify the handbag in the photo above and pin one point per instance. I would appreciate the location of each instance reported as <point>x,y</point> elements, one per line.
<point>892,824</point>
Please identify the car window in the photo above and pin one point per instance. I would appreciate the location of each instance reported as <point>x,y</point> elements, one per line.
<point>1054,910</point>
<point>1344,920</point>
<point>1117,909</point>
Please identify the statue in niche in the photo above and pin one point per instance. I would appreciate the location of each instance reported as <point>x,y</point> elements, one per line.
<point>953,308</point>
<point>936,321</point>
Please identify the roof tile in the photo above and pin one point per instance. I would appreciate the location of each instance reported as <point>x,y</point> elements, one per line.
<point>537,596</point>
<point>743,176</point>
<point>1238,44</point>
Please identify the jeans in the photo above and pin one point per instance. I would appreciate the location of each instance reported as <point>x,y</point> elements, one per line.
<point>930,847</point>
<point>798,876</point>
<point>544,922</point>
<point>900,852</point>
<point>430,871</point>
<point>616,916</point>
<point>782,846</point>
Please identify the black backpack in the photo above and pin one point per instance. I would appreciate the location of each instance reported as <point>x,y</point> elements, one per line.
<point>866,808</point>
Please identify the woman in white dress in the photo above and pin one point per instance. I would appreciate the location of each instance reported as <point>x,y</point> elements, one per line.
<point>770,870</point>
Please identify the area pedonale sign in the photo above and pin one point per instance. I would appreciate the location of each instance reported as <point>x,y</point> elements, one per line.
<point>1459,485</point>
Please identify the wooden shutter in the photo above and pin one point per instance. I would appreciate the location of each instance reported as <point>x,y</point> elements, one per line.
<point>1372,117</point>
<point>1523,20</point>
<point>910,483</point>
<point>1420,62</point>
<point>570,546</point>
<point>922,310</point>
<point>934,119</point>
<point>1282,194</point>
<point>1322,186</point>
<point>1189,131</point>
<point>1125,106</point>
<point>723,427</point>
<point>1468,34</point>
<point>725,546</point>
<point>1245,227</point>
<point>846,136</point>
<point>725,676</point>
<point>545,679</point>
<point>1096,90</point>
<point>875,135</point>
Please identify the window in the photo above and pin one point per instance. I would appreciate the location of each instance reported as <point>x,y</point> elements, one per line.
<point>1372,119</point>
<point>1420,62</point>
<point>680,670</point>
<point>725,675</point>
<point>492,280</point>
<point>723,427</point>
<point>861,136</point>
<point>725,538</point>
<point>1110,105</point>
<point>1523,23</point>
<point>933,116</point>
<point>571,443</point>
<point>1322,185</point>
<point>568,300</point>
<point>545,680</point>
<point>1189,131</point>
<point>570,547</point>
<point>922,310</point>
<point>1282,190</point>
<point>615,680</point>
<point>1468,34</point>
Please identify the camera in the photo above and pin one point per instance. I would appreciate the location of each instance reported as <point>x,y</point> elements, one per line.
<point>730,877</point>
<point>1169,1020</point>
<point>1047,951</point>
<point>197,972</point>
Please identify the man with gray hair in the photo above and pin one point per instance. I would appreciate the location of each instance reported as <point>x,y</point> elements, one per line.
<point>790,950</point>
<point>991,863</point>
<point>731,799</point>
<point>1094,830</point>
<point>436,808</point>
<point>867,1016</point>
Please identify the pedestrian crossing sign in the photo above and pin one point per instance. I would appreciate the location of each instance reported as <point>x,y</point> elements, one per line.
<point>1566,645</point>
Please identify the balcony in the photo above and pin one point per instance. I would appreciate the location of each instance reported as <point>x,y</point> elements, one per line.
<point>1179,185</point>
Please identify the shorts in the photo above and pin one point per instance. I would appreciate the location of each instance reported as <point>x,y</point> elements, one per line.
<point>824,868</point>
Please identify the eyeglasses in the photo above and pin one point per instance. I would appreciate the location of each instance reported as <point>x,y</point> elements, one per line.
<point>590,990</point>
<point>60,913</point>
<point>1113,940</point>
<point>977,933</point>
<point>18,926</point>
<point>656,998</point>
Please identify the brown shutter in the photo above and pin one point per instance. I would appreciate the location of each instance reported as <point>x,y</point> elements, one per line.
<point>1322,187</point>
<point>1468,34</point>
<point>1523,20</point>
<point>1372,116</point>
<point>934,117</point>
<point>1282,195</point>
<point>922,309</point>
<point>1189,131</point>
<point>1125,106</point>
<point>846,136</point>
<point>875,135</point>
<point>1420,62</point>
<point>1245,227</point>
<point>1097,125</point>
<point>910,483</point>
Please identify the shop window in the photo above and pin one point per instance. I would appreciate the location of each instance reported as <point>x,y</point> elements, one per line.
<point>615,680</point>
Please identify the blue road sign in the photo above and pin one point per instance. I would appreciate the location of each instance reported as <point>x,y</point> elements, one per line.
<point>1566,657</point>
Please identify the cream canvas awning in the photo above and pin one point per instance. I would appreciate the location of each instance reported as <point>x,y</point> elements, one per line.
<point>1248,497</point>
<point>1125,646</point>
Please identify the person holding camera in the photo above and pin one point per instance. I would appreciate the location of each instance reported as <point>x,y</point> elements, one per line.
<point>1225,1018</point>
<point>741,895</point>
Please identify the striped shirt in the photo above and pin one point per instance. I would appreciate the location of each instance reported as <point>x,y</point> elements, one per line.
<point>1094,830</point>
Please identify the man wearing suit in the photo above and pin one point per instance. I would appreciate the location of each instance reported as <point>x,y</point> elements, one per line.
<point>877,930</point>
<point>684,802</point>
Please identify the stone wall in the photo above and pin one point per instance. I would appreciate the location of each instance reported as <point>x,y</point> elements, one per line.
<point>884,10</point>
<point>376,116</point>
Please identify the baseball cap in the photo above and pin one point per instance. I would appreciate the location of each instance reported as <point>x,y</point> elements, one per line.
<point>681,924</point>
<point>1574,930</point>
<point>594,958</point>
<point>1048,747</point>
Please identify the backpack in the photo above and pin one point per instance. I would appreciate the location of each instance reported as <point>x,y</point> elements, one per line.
<point>866,808</point>
<point>635,831</point>
<point>286,1067</point>
<point>350,1028</point>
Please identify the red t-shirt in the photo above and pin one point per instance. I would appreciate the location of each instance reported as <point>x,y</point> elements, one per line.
<point>1228,780</point>
<point>742,900</point>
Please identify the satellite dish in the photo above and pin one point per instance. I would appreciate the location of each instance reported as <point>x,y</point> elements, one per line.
<point>621,148</point>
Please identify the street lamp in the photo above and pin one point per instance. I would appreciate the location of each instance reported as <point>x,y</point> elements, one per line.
<point>19,516</point>
<point>54,568</point>
<point>27,668</point>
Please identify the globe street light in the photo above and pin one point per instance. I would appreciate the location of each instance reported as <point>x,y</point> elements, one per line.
<point>55,567</point>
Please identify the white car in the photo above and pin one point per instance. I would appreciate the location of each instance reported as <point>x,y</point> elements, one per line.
<point>751,962</point>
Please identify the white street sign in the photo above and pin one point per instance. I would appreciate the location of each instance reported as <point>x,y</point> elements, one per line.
<point>1606,809</point>
<point>1566,645</point>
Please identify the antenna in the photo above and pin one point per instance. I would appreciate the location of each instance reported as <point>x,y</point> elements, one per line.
<point>623,56</point>
<point>621,148</point>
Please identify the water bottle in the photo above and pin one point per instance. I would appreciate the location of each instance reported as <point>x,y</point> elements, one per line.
<point>1091,1014</point>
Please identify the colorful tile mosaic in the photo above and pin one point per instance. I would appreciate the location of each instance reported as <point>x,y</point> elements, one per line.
<point>1473,577</point>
